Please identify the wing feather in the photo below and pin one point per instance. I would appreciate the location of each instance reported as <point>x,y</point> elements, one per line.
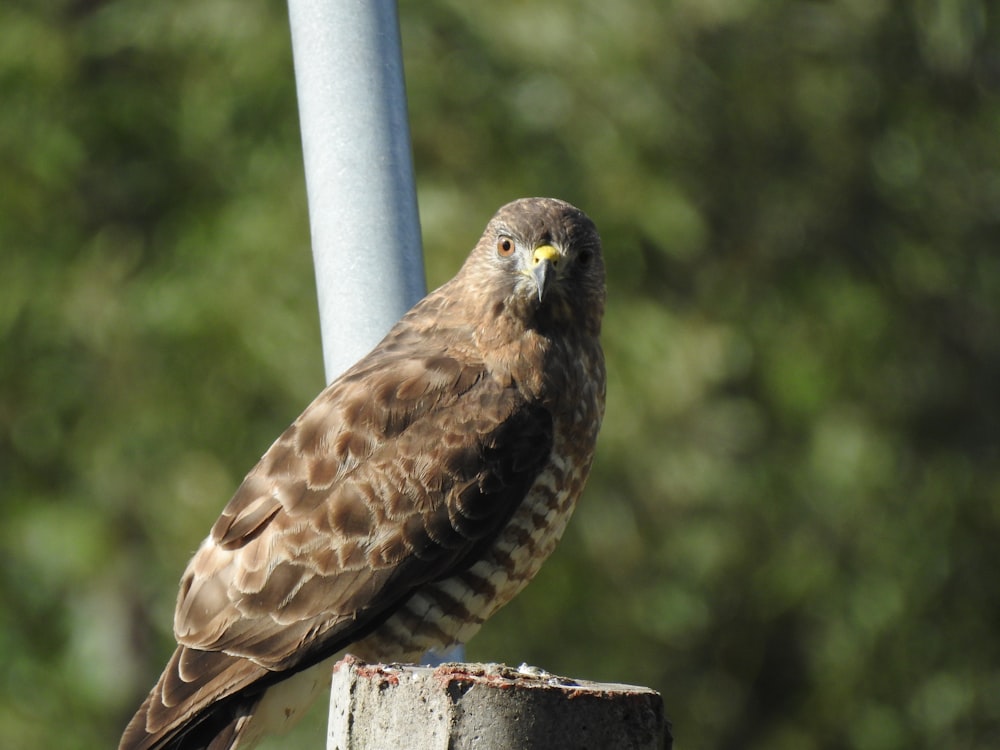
<point>419,469</point>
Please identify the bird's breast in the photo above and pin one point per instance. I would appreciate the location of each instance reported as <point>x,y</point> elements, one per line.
<point>450,611</point>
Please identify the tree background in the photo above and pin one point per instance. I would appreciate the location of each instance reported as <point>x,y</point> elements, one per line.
<point>792,526</point>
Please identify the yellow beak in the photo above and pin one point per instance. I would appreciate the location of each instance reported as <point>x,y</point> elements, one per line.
<point>544,261</point>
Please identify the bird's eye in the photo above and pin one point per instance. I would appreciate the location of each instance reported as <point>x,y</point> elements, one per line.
<point>505,246</point>
<point>585,257</point>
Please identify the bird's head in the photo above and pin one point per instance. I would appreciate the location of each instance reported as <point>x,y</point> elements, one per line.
<point>540,261</point>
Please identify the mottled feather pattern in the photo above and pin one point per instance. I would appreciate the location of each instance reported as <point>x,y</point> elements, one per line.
<point>415,496</point>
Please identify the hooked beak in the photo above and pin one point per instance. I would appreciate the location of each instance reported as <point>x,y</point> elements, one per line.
<point>544,262</point>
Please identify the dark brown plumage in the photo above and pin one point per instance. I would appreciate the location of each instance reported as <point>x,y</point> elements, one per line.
<point>412,499</point>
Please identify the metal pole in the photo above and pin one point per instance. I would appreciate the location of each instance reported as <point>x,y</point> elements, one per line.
<point>359,171</point>
<point>359,175</point>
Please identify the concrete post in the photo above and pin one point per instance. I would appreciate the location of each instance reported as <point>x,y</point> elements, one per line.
<point>465,706</point>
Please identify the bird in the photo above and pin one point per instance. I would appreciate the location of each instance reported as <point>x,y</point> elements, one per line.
<point>415,496</point>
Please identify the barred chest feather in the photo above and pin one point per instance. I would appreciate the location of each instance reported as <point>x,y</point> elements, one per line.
<point>448,612</point>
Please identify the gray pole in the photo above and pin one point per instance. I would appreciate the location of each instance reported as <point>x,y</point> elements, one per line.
<point>359,172</point>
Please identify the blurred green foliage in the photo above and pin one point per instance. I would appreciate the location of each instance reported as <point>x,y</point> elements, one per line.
<point>791,530</point>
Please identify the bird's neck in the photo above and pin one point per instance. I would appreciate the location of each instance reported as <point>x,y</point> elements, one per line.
<point>515,343</point>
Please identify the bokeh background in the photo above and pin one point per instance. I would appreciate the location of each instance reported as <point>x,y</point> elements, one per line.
<point>793,526</point>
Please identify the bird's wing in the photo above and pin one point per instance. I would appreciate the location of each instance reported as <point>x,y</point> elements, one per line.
<point>395,476</point>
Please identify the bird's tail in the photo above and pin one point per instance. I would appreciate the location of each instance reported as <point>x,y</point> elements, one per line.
<point>204,700</point>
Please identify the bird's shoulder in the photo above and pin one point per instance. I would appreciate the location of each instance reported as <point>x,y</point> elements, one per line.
<point>403,386</point>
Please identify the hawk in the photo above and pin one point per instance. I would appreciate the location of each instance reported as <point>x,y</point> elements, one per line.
<point>410,501</point>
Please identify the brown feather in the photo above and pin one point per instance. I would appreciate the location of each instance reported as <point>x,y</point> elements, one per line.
<point>415,496</point>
